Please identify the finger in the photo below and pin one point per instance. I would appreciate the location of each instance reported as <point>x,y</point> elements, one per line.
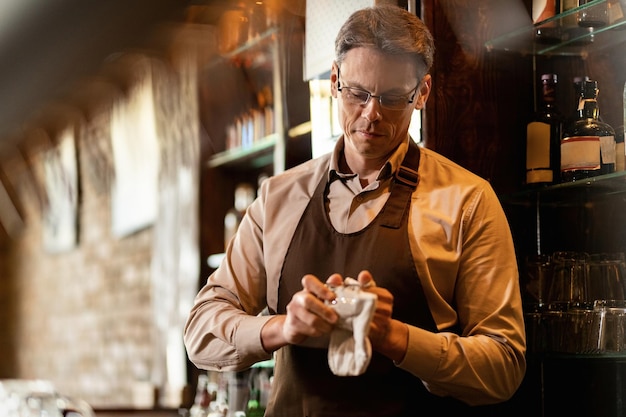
<point>307,303</point>
<point>295,330</point>
<point>334,280</point>
<point>312,312</point>
<point>314,286</point>
<point>366,279</point>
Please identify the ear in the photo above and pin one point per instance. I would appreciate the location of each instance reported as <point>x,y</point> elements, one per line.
<point>333,79</point>
<point>423,92</point>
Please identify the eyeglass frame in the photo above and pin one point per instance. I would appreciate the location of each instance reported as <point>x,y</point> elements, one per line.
<point>410,99</point>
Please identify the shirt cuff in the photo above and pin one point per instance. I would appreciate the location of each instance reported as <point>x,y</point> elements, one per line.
<point>252,347</point>
<point>423,354</point>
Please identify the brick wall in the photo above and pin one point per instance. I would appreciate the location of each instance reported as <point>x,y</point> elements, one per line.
<point>86,318</point>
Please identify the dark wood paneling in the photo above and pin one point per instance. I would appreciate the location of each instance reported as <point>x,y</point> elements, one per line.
<point>481,101</point>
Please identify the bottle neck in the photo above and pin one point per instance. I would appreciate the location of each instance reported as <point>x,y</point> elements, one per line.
<point>548,96</point>
<point>588,108</point>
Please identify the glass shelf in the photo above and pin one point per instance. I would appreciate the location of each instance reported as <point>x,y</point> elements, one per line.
<point>253,53</point>
<point>609,357</point>
<point>602,185</point>
<point>569,39</point>
<point>257,155</point>
<point>258,41</point>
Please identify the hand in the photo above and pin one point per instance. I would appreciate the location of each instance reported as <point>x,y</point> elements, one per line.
<point>307,313</point>
<point>388,336</point>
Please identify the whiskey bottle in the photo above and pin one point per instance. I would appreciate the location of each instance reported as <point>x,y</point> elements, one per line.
<point>543,137</point>
<point>588,144</point>
<point>546,29</point>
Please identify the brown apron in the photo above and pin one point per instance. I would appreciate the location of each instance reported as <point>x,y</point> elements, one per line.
<point>303,383</point>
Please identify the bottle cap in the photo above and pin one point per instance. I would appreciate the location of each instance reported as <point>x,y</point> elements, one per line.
<point>549,77</point>
<point>579,82</point>
<point>590,89</point>
<point>580,79</point>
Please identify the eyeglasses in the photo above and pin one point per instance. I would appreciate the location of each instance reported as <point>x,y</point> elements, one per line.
<point>359,97</point>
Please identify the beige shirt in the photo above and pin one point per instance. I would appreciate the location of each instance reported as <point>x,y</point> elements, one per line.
<point>463,252</point>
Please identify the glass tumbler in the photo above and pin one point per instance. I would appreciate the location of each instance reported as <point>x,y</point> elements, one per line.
<point>576,332</point>
<point>593,16</point>
<point>569,278</point>
<point>610,325</point>
<point>606,276</point>
<point>536,277</point>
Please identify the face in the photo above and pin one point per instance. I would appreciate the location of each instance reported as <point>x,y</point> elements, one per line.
<point>371,131</point>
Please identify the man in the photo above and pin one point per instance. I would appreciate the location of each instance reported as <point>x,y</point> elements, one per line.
<point>424,235</point>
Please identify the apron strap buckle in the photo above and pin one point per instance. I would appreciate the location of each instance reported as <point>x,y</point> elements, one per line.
<point>407,176</point>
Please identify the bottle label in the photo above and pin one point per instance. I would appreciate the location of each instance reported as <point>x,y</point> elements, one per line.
<point>616,13</point>
<point>538,153</point>
<point>607,149</point>
<point>543,9</point>
<point>569,20</point>
<point>580,153</point>
<point>620,157</point>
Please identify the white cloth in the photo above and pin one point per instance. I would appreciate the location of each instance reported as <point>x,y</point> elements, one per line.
<point>350,350</point>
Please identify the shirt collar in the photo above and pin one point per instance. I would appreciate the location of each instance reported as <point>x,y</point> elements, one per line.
<point>391,166</point>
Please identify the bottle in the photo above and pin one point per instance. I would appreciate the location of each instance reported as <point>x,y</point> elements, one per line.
<point>595,15</point>
<point>620,148</point>
<point>579,82</point>
<point>615,11</point>
<point>588,144</point>
<point>202,401</point>
<point>572,30</point>
<point>543,137</point>
<point>254,409</point>
<point>577,89</point>
<point>569,19</point>
<point>244,195</point>
<point>620,151</point>
<point>541,11</point>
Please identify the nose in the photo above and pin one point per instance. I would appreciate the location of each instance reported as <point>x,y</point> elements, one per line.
<point>371,109</point>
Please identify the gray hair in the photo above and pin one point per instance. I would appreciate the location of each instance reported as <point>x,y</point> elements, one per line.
<point>390,29</point>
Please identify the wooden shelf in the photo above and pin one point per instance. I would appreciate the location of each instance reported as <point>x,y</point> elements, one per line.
<point>257,155</point>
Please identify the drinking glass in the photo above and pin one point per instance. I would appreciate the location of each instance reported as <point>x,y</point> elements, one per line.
<point>536,276</point>
<point>610,326</point>
<point>552,333</point>
<point>535,335</point>
<point>606,276</point>
<point>38,398</point>
<point>576,331</point>
<point>593,16</point>
<point>569,278</point>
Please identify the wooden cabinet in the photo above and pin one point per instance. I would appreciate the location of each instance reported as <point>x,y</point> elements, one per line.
<point>583,216</point>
